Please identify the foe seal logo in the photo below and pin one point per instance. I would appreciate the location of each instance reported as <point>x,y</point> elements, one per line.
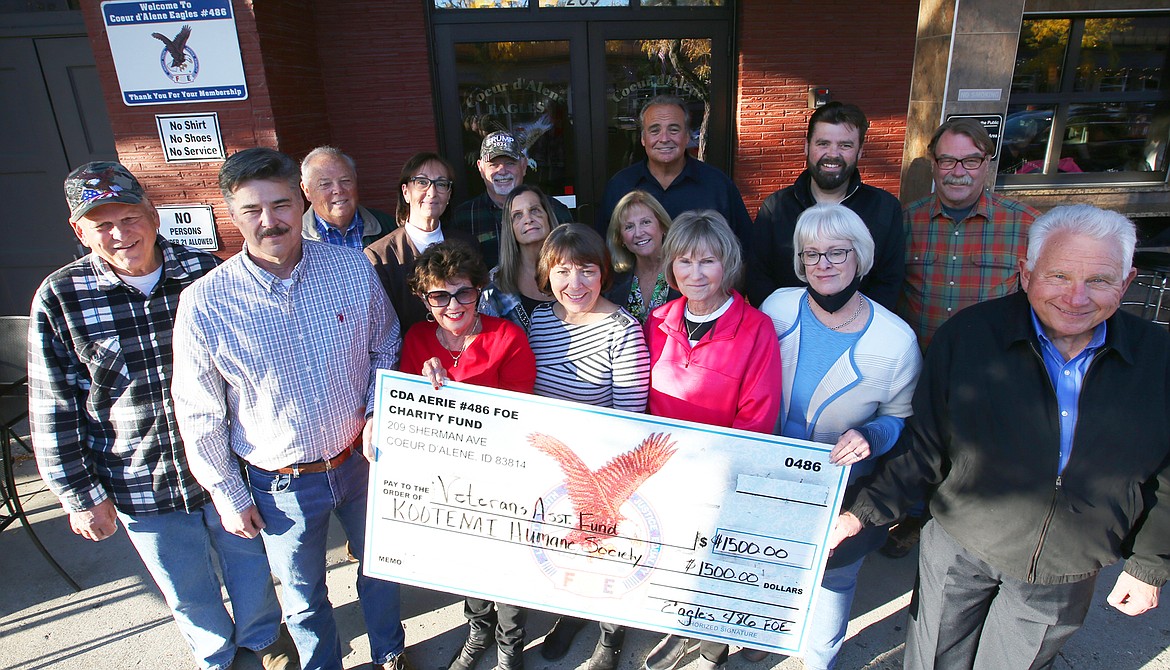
<point>184,64</point>
<point>613,537</point>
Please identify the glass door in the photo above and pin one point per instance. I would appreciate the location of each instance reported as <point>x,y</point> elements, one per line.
<point>571,93</point>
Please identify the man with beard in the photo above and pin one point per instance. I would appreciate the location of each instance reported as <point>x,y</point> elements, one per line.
<point>832,146</point>
<point>962,242</point>
<point>502,165</point>
<point>677,181</point>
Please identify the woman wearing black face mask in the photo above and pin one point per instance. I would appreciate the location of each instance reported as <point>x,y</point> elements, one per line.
<point>850,367</point>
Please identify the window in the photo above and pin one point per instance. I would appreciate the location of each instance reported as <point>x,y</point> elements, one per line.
<point>1090,101</point>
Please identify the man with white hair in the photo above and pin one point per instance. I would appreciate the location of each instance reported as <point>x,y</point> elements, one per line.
<point>1040,421</point>
<point>329,182</point>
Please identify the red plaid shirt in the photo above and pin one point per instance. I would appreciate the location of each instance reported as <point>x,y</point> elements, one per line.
<point>952,265</point>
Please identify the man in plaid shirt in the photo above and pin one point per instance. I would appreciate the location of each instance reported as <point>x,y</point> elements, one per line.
<point>962,242</point>
<point>962,247</point>
<point>103,423</point>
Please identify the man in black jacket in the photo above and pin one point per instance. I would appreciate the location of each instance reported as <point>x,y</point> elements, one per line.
<point>832,146</point>
<point>1043,419</point>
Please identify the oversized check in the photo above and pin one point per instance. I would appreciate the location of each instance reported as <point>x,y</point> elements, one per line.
<point>654,523</point>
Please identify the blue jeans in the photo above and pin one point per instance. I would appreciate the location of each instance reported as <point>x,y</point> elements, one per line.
<point>830,619</point>
<point>296,511</point>
<point>176,548</point>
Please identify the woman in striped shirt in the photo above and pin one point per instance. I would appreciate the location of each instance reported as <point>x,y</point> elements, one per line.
<point>587,350</point>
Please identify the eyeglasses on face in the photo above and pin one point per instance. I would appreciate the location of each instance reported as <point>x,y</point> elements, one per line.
<point>836,256</point>
<point>442,184</point>
<point>464,296</point>
<point>968,163</point>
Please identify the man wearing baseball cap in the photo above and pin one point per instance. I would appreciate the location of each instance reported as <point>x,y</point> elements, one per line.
<point>103,422</point>
<point>502,165</point>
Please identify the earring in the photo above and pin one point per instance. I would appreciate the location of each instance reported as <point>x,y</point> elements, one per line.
<point>430,317</point>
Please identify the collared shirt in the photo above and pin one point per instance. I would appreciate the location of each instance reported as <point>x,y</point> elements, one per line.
<point>1067,379</point>
<point>351,238</point>
<point>951,265</point>
<point>698,186</point>
<point>278,372</point>
<point>100,410</point>
<point>480,218</point>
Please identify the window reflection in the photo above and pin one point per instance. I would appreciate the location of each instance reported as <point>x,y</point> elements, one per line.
<point>1040,56</point>
<point>523,88</point>
<point>637,70</point>
<point>1088,99</point>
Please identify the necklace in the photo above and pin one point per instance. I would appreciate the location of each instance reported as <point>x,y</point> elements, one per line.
<point>466,341</point>
<point>856,313</point>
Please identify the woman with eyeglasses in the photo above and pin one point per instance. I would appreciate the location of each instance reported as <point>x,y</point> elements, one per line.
<point>512,293</point>
<point>458,343</point>
<point>425,191</point>
<point>850,367</point>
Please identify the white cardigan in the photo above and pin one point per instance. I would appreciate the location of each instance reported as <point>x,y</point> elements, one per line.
<point>874,377</point>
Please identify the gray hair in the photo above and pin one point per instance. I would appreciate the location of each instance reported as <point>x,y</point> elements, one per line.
<point>703,228</point>
<point>1087,220</point>
<point>254,164</point>
<point>830,221</point>
<point>664,101</point>
<point>326,151</point>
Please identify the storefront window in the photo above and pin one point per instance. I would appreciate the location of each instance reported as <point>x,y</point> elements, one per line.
<point>1089,102</point>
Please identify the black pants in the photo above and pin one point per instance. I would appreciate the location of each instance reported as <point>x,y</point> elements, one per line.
<point>506,621</point>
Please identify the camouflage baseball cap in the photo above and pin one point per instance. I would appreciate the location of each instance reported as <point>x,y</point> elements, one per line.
<point>100,183</point>
<point>499,144</point>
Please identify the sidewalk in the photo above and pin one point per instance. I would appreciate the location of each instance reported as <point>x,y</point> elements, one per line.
<point>119,620</point>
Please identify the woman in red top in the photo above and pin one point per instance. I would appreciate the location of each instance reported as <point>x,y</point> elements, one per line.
<point>458,343</point>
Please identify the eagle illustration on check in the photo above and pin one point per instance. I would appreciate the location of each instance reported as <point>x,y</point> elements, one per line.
<point>597,496</point>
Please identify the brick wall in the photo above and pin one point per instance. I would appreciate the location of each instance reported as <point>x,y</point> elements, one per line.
<point>863,52</point>
<point>243,124</point>
<point>376,69</point>
<point>344,72</point>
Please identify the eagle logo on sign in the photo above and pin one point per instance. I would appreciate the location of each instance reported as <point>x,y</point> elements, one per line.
<point>184,65</point>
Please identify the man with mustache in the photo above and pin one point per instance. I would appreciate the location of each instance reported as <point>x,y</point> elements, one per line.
<point>962,247</point>
<point>329,181</point>
<point>277,371</point>
<point>502,164</point>
<point>836,132</point>
<point>676,180</point>
<point>962,242</point>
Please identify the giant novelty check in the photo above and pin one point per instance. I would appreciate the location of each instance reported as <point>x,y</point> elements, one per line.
<point>654,523</point>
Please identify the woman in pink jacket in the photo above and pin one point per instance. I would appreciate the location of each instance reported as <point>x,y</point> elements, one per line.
<point>714,359</point>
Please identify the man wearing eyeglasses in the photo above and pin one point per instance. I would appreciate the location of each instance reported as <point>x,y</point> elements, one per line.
<point>502,164</point>
<point>329,181</point>
<point>276,369</point>
<point>836,132</point>
<point>962,242</point>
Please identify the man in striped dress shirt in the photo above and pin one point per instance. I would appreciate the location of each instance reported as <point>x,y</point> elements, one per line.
<point>279,346</point>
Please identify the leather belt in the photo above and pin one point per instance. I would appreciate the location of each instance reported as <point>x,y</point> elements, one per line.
<point>323,465</point>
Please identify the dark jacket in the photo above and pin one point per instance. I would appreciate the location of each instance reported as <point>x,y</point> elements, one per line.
<point>393,257</point>
<point>985,431</point>
<point>619,293</point>
<point>769,259</point>
<point>376,224</point>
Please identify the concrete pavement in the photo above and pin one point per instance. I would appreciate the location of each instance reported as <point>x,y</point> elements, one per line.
<point>119,621</point>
